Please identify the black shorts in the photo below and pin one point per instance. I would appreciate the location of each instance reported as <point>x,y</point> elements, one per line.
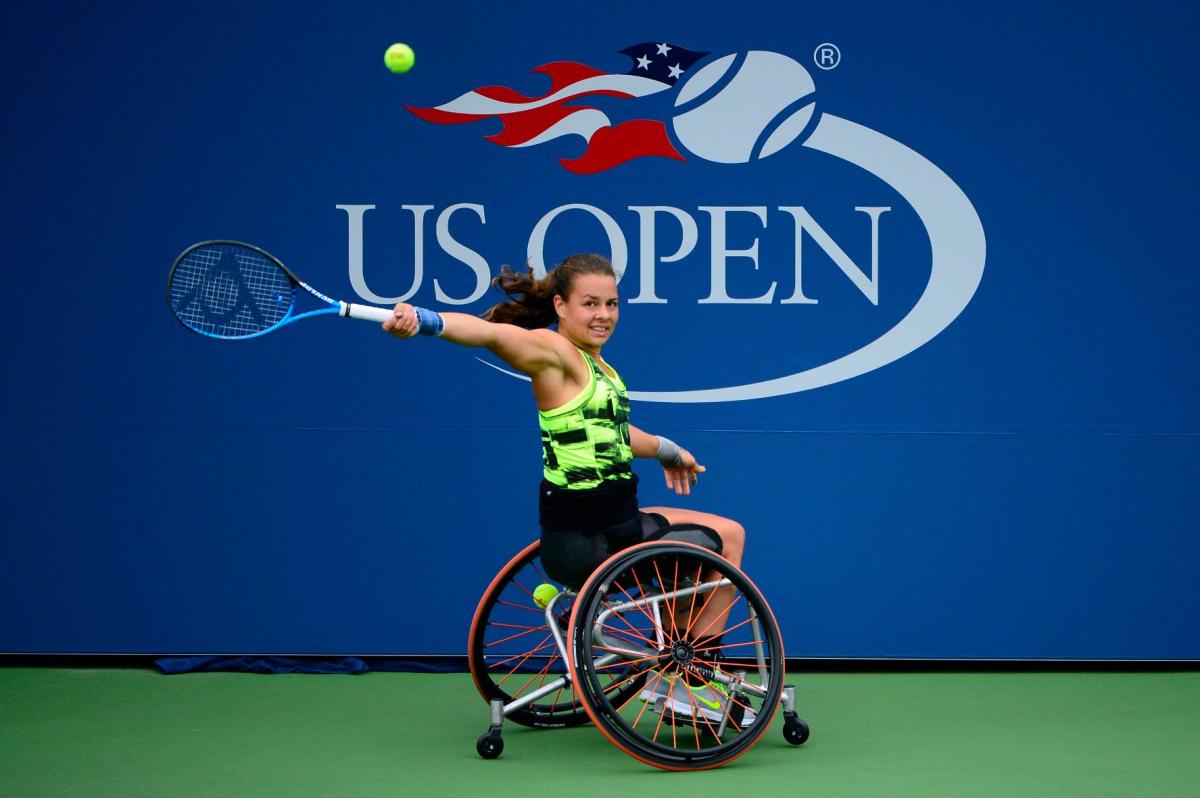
<point>571,551</point>
<point>570,556</point>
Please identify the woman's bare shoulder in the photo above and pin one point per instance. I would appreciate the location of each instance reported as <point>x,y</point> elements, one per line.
<point>552,339</point>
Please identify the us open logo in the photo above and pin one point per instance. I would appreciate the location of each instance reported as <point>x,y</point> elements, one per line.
<point>734,109</point>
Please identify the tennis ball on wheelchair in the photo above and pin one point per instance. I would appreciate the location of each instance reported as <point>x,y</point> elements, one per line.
<point>543,594</point>
<point>399,58</point>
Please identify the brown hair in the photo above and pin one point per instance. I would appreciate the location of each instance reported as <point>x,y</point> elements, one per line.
<point>530,301</point>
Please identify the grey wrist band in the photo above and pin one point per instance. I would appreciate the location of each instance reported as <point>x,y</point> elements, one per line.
<point>668,453</point>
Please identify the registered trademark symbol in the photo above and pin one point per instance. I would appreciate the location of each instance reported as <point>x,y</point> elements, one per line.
<point>827,55</point>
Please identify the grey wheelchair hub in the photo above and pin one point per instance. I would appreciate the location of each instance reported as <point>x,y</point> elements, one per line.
<point>683,653</point>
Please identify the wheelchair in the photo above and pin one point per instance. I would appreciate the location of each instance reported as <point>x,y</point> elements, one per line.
<point>627,653</point>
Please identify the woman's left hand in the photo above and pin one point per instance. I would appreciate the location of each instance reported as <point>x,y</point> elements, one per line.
<point>681,478</point>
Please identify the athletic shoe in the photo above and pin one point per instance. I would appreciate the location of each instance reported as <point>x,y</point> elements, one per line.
<point>659,687</point>
<point>713,701</point>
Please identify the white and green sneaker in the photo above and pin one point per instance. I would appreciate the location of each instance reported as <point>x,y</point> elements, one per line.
<point>712,701</point>
<point>659,687</point>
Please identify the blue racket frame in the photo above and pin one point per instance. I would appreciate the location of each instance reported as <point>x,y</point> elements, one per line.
<point>232,291</point>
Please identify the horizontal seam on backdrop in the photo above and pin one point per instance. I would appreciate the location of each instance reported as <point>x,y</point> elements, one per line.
<point>679,430</point>
<point>814,664</point>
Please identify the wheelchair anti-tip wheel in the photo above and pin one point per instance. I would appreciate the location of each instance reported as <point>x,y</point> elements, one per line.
<point>516,656</point>
<point>700,636</point>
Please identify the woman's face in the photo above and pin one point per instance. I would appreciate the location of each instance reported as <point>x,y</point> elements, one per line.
<point>589,315</point>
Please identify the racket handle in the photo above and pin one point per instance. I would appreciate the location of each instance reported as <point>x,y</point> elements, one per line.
<point>365,312</point>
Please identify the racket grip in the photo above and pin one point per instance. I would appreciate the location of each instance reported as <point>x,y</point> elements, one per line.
<point>365,312</point>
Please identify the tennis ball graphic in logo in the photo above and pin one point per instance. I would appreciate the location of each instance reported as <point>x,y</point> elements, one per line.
<point>766,98</point>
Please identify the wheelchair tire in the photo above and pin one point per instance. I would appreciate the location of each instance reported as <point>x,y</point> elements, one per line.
<point>512,651</point>
<point>680,721</point>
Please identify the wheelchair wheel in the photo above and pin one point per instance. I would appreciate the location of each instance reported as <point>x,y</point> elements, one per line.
<point>707,699</point>
<point>513,652</point>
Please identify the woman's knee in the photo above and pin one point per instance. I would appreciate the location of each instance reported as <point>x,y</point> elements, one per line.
<point>733,539</point>
<point>731,533</point>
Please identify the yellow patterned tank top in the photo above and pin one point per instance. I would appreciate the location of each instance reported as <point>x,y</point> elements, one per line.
<point>585,442</point>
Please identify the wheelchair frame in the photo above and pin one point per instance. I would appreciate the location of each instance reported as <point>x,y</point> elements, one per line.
<point>490,744</point>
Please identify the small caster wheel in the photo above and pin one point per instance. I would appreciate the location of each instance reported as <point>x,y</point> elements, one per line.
<point>795,730</point>
<point>489,745</point>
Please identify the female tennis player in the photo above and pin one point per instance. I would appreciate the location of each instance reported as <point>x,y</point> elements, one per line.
<point>588,498</point>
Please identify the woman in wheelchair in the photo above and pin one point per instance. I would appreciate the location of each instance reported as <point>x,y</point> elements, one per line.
<point>588,507</point>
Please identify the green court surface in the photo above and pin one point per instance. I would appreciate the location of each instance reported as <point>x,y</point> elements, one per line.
<point>110,732</point>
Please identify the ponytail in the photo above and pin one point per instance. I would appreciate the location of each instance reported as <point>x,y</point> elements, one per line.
<point>530,301</point>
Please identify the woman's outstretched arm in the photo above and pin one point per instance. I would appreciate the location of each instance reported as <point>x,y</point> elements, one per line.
<point>527,351</point>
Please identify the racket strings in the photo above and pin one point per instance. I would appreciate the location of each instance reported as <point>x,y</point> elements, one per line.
<point>230,291</point>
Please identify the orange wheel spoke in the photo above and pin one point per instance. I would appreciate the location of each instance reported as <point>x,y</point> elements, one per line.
<point>722,614</point>
<point>530,630</point>
<point>499,625</point>
<point>693,618</point>
<point>729,629</point>
<point>632,628</point>
<point>634,636</point>
<point>554,701</point>
<point>722,646</point>
<point>669,602</point>
<point>650,684</point>
<point>658,725</point>
<point>622,663</point>
<point>639,605</point>
<point>524,659</point>
<point>623,681</point>
<point>692,603</point>
<point>698,715</point>
<point>542,673</point>
<point>514,605</point>
<point>523,655</point>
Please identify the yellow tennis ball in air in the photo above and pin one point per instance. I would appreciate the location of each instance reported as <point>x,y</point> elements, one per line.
<point>399,58</point>
<point>543,594</point>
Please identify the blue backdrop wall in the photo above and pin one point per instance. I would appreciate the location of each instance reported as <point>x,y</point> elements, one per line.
<point>967,238</point>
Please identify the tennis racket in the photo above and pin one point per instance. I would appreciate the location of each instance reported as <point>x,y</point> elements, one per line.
<point>230,290</point>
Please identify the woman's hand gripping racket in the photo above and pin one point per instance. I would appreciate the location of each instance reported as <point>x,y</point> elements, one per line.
<point>230,290</point>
